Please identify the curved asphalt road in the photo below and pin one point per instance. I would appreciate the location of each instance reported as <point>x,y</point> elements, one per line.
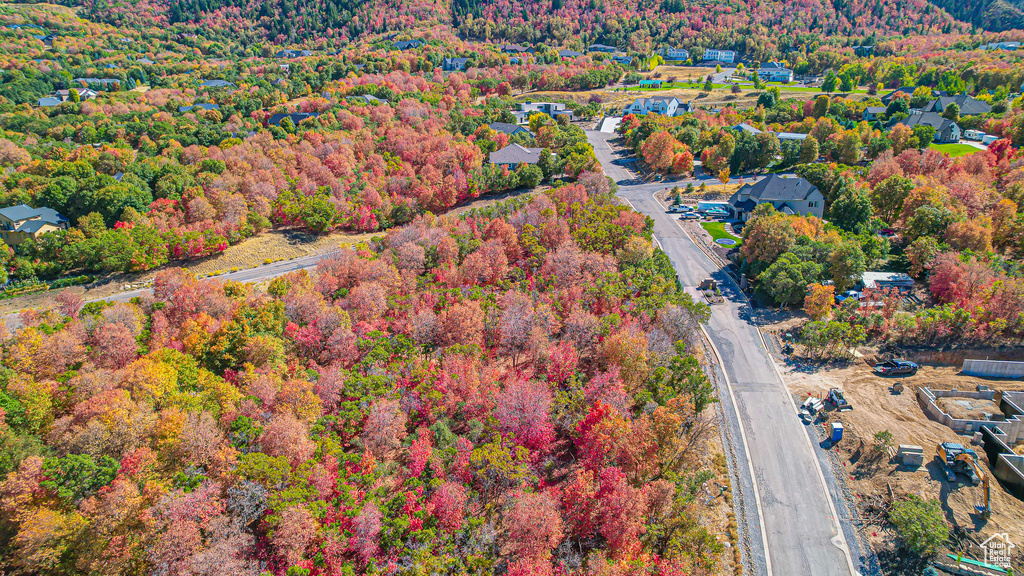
<point>801,530</point>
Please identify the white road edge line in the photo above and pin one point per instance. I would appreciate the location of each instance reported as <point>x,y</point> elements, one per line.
<point>739,422</point>
<point>821,475</point>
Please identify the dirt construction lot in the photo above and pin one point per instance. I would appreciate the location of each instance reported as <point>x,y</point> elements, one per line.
<point>869,474</point>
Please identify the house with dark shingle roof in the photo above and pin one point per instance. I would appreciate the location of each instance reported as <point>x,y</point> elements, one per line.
<point>368,99</point>
<point>453,64</point>
<point>946,131</point>
<point>287,53</point>
<point>602,48</point>
<point>513,155</point>
<point>407,44</point>
<point>101,81</point>
<point>49,102</point>
<point>871,113</point>
<point>513,48</point>
<point>296,117</point>
<point>787,195</point>
<point>909,91</point>
<point>569,54</point>
<point>20,223</point>
<point>744,127</point>
<point>83,94</point>
<point>625,60</point>
<point>664,105</point>
<point>217,84</point>
<point>968,106</point>
<point>510,129</point>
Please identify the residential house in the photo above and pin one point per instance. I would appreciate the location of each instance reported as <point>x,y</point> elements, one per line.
<point>100,81</point>
<point>47,40</point>
<point>407,44</point>
<point>663,105</point>
<point>83,94</point>
<point>744,127</point>
<point>650,83</point>
<point>145,61</point>
<point>453,64</point>
<point>789,195</point>
<point>716,55</point>
<point>217,84</point>
<point>513,60</point>
<point>368,99</point>
<point>685,108</point>
<point>872,113</point>
<point>624,60</point>
<point>21,222</point>
<point>553,109</point>
<point>49,102</point>
<point>510,129</point>
<point>909,91</point>
<point>602,48</point>
<point>782,136</point>
<point>296,118</point>
<point>864,51</point>
<point>968,106</point>
<point>1014,45</point>
<point>513,48</point>
<point>569,54</point>
<point>204,106</point>
<point>775,72</point>
<point>887,280</point>
<point>513,155</point>
<point>286,53</point>
<point>670,53</point>
<point>946,131</point>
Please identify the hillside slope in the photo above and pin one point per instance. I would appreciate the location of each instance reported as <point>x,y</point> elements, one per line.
<point>749,25</point>
<point>994,15</point>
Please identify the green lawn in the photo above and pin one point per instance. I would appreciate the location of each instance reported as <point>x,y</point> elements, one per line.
<point>717,230</point>
<point>954,150</point>
<point>676,85</point>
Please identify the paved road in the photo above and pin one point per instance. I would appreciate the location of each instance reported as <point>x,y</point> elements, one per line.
<point>802,534</point>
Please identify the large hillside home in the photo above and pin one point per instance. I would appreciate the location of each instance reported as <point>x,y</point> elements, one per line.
<point>664,105</point>
<point>968,105</point>
<point>21,222</point>
<point>787,195</point>
<point>946,131</point>
<point>513,155</point>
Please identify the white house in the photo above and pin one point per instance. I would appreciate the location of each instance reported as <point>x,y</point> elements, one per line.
<point>716,55</point>
<point>664,105</point>
<point>775,72</point>
<point>670,53</point>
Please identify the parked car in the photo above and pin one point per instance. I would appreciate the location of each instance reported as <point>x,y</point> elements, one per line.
<point>680,208</point>
<point>690,216</point>
<point>896,367</point>
<point>840,298</point>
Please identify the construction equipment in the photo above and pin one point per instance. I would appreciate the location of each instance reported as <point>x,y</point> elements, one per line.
<point>955,458</point>
<point>836,400</point>
<point>810,408</point>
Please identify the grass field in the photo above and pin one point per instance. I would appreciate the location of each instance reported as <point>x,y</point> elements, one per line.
<point>954,150</point>
<point>717,230</point>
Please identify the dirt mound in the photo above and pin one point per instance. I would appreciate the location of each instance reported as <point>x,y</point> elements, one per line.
<point>969,408</point>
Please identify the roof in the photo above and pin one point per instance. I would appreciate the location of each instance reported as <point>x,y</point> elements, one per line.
<point>650,81</point>
<point>968,106</point>
<point>145,61</point>
<point>454,61</point>
<point>569,53</point>
<point>512,48</point>
<point>406,44</point>
<point>932,119</point>
<point>602,48</point>
<point>206,106</point>
<point>791,136</point>
<point>773,66</point>
<point>516,154</point>
<point>506,128</point>
<point>744,127</point>
<point>216,84</point>
<point>24,212</point>
<point>295,117</point>
<point>871,279</point>
<point>98,80</point>
<point>875,109</point>
<point>49,101</point>
<point>775,188</point>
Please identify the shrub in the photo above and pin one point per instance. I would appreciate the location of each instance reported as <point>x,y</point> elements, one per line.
<point>919,523</point>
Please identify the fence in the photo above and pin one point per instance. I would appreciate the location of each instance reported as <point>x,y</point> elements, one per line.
<point>993,368</point>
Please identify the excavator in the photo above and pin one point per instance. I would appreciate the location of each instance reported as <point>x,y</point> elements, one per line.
<point>956,458</point>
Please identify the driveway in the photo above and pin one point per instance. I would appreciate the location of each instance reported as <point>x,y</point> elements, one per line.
<point>793,501</point>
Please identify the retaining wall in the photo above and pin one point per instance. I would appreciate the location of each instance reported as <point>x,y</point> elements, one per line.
<point>993,368</point>
<point>1012,424</point>
<point>1007,466</point>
